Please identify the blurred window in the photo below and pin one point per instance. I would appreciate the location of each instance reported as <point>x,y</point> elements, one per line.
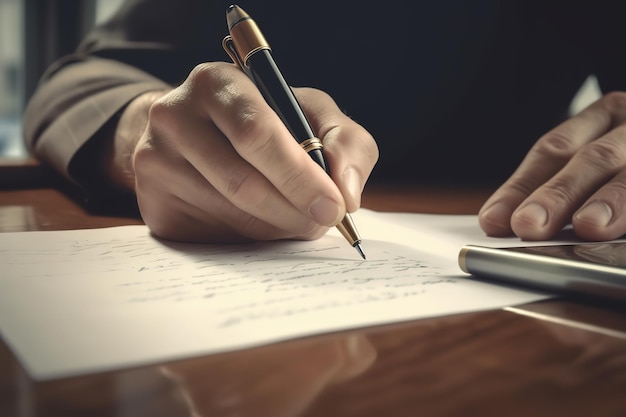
<point>105,8</point>
<point>11,77</point>
<point>14,27</point>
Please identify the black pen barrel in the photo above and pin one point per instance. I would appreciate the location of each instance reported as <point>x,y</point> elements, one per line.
<point>247,46</point>
<point>269,80</point>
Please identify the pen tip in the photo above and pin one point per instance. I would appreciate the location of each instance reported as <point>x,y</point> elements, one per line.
<point>359,249</point>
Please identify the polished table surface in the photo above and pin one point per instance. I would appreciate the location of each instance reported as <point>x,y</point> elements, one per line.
<point>553,358</point>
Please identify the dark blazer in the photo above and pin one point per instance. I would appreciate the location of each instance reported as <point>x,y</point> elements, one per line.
<point>452,91</point>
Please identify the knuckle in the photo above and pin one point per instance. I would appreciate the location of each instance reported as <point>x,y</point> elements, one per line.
<point>215,84</point>
<point>617,193</point>
<point>161,116</point>
<point>238,185</point>
<point>604,155</point>
<point>254,132</point>
<point>555,144</point>
<point>209,76</point>
<point>246,191</point>
<point>615,102</point>
<point>520,185</point>
<point>293,180</point>
<point>559,190</point>
<point>168,118</point>
<point>145,159</point>
<point>142,160</point>
<point>251,127</point>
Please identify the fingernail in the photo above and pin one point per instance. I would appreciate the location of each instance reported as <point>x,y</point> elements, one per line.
<point>597,213</point>
<point>499,214</point>
<point>325,211</point>
<point>534,214</point>
<point>352,180</point>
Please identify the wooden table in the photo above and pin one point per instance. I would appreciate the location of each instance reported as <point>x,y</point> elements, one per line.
<point>553,358</point>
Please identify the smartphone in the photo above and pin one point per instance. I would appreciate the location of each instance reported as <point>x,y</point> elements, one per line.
<point>587,269</point>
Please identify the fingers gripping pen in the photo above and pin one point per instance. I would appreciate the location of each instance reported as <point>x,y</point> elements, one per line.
<point>248,48</point>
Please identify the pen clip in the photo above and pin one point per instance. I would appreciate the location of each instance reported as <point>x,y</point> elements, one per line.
<point>229,46</point>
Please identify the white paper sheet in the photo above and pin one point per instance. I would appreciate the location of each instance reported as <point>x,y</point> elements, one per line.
<point>76,302</point>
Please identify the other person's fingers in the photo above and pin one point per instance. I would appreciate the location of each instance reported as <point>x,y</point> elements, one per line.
<point>603,215</point>
<point>560,172</point>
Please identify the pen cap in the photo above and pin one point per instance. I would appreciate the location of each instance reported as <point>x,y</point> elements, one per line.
<point>245,33</point>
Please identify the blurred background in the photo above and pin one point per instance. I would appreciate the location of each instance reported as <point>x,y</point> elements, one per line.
<point>33,33</point>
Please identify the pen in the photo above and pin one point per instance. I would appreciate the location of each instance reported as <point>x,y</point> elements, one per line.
<point>248,48</point>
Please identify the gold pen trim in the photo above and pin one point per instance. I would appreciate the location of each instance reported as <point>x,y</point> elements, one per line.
<point>347,228</point>
<point>248,39</point>
<point>311,144</point>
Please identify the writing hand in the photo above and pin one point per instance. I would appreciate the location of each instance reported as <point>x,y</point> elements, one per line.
<point>575,173</point>
<point>215,163</point>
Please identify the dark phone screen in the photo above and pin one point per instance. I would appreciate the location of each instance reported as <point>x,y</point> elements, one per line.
<point>604,253</point>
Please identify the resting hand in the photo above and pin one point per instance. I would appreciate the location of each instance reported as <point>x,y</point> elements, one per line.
<point>215,163</point>
<point>575,174</point>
